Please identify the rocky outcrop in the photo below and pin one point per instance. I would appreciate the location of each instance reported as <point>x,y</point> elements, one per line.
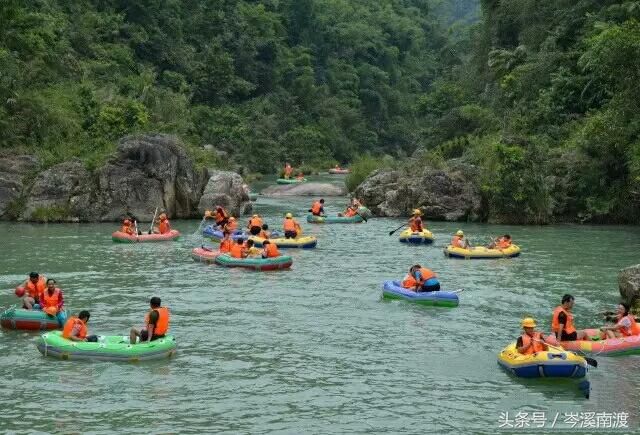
<point>15,173</point>
<point>61,193</point>
<point>306,189</point>
<point>228,190</point>
<point>441,195</point>
<point>629,284</point>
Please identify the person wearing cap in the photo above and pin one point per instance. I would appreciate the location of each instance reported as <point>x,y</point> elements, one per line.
<point>458,240</point>
<point>127,227</point>
<point>531,341</point>
<point>291,227</point>
<point>421,279</point>
<point>31,290</point>
<point>415,221</point>
<point>255,225</point>
<point>317,208</point>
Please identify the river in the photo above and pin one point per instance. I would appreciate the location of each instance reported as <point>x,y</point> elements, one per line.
<point>313,349</point>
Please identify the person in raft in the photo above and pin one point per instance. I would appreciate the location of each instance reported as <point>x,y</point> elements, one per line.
<point>156,323</point>
<point>291,227</point>
<point>421,279</point>
<point>128,228</point>
<point>164,226</point>
<point>264,232</point>
<point>255,225</point>
<point>75,329</point>
<point>626,325</point>
<point>269,250</point>
<point>288,170</point>
<point>531,341</point>
<point>458,241</point>
<point>31,290</point>
<point>562,321</point>
<point>300,176</point>
<point>502,242</point>
<point>51,299</point>
<point>231,225</point>
<point>221,216</point>
<point>415,221</point>
<point>252,251</point>
<point>317,208</point>
<point>238,250</point>
<point>226,243</point>
<point>355,202</point>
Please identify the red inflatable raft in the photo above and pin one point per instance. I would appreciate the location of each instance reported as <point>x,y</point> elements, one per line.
<point>121,237</point>
<point>610,346</point>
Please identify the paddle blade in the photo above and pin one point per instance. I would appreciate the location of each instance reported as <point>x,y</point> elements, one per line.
<point>592,362</point>
<point>585,387</point>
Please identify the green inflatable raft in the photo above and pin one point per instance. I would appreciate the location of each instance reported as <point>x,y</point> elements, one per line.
<point>256,263</point>
<point>290,181</point>
<point>312,219</point>
<point>107,348</point>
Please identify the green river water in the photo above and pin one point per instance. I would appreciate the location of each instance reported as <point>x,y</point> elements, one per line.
<point>313,349</point>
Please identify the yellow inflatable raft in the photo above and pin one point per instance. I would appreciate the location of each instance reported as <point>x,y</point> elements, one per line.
<point>480,252</point>
<point>554,363</point>
<point>423,237</point>
<point>304,242</point>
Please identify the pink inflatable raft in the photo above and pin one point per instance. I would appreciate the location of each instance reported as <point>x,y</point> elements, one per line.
<point>610,347</point>
<point>204,255</point>
<point>121,237</point>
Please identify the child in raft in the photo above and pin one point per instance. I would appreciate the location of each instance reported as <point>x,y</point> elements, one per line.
<point>421,279</point>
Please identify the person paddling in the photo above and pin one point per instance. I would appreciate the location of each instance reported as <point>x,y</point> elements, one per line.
<point>531,341</point>
<point>317,208</point>
<point>458,241</point>
<point>32,288</point>
<point>156,323</point>
<point>562,321</point>
<point>75,329</point>
<point>626,325</point>
<point>421,279</point>
<point>415,221</point>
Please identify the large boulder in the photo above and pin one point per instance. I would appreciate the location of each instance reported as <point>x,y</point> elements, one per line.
<point>441,195</point>
<point>61,193</point>
<point>16,172</point>
<point>149,171</point>
<point>629,284</point>
<point>306,189</point>
<point>228,190</point>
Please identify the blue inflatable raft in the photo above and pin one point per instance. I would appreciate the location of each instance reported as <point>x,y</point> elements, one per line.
<point>394,290</point>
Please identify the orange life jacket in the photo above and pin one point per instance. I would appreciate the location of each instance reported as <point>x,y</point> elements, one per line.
<point>409,282</point>
<point>164,226</point>
<point>555,323</point>
<point>263,234</point>
<point>255,222</point>
<point>288,170</point>
<point>34,290</point>
<point>415,223</point>
<point>231,226</point>
<point>316,208</point>
<point>457,242</point>
<point>271,250</point>
<point>536,346</point>
<point>503,244</point>
<point>221,215</point>
<point>236,251</point>
<point>127,229</point>
<point>633,329</point>
<point>226,245</point>
<point>47,300</point>
<point>350,212</point>
<point>426,274</point>
<point>162,325</point>
<point>71,324</point>
<point>289,225</point>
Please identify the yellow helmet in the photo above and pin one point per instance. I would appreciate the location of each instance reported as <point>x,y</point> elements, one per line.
<point>528,322</point>
<point>459,233</point>
<point>255,215</point>
<point>417,211</point>
<point>288,215</point>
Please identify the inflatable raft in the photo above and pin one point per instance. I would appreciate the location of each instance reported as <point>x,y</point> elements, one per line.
<point>610,346</point>
<point>253,196</point>
<point>549,364</point>
<point>215,234</point>
<point>255,263</point>
<point>204,255</point>
<point>31,320</point>
<point>290,181</point>
<point>394,290</point>
<point>416,238</point>
<point>121,237</point>
<point>312,219</point>
<point>304,242</point>
<point>480,252</point>
<point>339,171</point>
<point>107,348</point>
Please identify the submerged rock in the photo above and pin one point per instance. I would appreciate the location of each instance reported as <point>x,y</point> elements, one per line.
<point>629,284</point>
<point>306,189</point>
<point>228,190</point>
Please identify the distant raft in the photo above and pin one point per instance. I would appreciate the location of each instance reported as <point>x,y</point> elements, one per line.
<point>290,180</point>
<point>416,237</point>
<point>339,171</point>
<point>480,252</point>
<point>253,196</point>
<point>304,242</point>
<point>204,255</point>
<point>107,348</point>
<point>313,219</point>
<point>31,320</point>
<point>546,364</point>
<point>121,237</point>
<point>609,347</point>
<point>255,263</point>
<point>394,290</point>
<point>215,234</point>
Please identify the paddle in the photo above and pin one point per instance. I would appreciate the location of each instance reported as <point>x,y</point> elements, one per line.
<point>135,225</point>
<point>401,226</point>
<point>460,290</point>
<point>363,218</point>
<point>153,220</point>
<point>592,362</point>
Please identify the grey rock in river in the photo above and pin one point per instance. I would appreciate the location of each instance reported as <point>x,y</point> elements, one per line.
<point>629,284</point>
<point>16,173</point>
<point>227,189</point>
